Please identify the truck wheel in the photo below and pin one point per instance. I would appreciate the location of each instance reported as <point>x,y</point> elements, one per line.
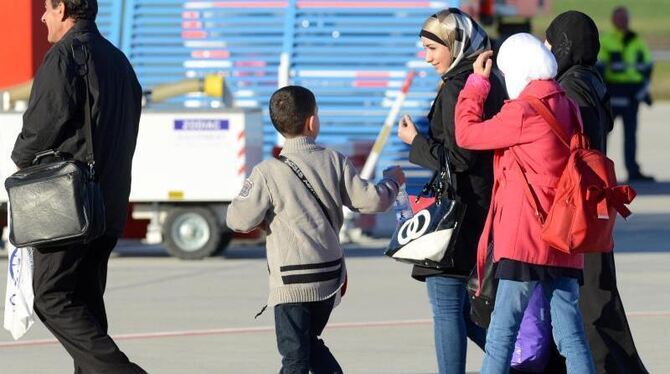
<point>191,233</point>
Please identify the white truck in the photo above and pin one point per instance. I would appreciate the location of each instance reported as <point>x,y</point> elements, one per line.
<point>188,166</point>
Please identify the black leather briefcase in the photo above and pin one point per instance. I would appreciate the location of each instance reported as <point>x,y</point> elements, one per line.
<point>55,204</point>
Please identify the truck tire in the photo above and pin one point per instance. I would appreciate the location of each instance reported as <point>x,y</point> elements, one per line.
<point>191,233</point>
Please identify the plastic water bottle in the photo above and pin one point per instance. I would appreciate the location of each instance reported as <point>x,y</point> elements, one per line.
<point>403,209</point>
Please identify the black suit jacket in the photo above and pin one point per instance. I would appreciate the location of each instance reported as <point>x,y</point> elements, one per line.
<point>55,115</point>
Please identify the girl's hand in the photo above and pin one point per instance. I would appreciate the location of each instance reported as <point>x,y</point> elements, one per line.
<point>483,64</point>
<point>406,129</point>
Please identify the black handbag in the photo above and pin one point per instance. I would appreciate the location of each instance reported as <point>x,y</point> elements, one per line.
<point>428,238</point>
<point>58,201</point>
<point>481,306</point>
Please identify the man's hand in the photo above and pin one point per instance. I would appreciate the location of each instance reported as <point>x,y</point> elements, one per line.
<point>483,64</point>
<point>395,173</point>
<point>406,129</point>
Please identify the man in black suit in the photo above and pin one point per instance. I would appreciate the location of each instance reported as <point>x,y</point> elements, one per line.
<point>69,281</point>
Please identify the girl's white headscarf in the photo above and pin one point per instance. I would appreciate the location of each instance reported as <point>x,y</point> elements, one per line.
<point>523,58</point>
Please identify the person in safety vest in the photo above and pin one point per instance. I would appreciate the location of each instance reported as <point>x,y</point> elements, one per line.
<point>626,64</point>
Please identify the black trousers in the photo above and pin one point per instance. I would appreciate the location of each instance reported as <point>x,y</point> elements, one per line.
<point>298,327</point>
<point>69,283</point>
<point>629,116</point>
<point>628,113</point>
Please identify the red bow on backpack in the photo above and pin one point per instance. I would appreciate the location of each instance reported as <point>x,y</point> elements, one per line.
<point>616,197</point>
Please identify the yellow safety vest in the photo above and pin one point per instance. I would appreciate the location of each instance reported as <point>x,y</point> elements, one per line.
<point>630,63</point>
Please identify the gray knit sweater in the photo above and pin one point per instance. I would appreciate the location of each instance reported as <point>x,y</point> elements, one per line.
<point>305,259</point>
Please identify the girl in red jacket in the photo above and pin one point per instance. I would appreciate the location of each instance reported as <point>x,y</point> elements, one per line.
<point>525,149</point>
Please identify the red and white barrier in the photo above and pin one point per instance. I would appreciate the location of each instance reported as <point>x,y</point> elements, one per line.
<point>377,148</point>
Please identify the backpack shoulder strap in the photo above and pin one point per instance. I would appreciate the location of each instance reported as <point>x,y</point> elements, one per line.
<point>543,111</point>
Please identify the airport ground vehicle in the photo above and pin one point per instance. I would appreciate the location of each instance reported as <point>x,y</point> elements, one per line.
<point>188,166</point>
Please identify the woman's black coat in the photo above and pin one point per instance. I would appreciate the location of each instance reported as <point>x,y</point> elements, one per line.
<point>473,169</point>
<point>585,86</point>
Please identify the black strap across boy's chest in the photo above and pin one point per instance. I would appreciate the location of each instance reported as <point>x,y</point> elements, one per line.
<point>296,170</point>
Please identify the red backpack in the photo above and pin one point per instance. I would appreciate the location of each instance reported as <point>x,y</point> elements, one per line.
<point>581,218</point>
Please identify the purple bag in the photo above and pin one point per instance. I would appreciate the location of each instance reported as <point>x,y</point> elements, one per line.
<point>533,343</point>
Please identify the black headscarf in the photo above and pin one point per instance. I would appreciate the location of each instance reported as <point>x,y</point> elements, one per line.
<point>574,40</point>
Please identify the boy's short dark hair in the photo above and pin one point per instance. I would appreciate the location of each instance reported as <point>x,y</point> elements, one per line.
<point>290,107</point>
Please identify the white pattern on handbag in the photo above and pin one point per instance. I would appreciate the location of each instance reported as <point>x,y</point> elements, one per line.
<point>428,238</point>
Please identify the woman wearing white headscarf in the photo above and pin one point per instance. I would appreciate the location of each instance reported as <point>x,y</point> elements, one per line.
<point>452,41</point>
<point>526,149</point>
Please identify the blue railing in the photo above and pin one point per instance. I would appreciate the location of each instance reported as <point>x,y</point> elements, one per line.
<point>109,19</point>
<point>353,54</point>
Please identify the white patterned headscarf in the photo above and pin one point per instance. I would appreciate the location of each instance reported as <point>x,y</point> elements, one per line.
<point>464,37</point>
<point>523,58</point>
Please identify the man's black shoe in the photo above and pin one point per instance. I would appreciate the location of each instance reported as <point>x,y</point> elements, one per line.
<point>639,177</point>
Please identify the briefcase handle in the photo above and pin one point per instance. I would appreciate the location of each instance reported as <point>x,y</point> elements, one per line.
<point>49,152</point>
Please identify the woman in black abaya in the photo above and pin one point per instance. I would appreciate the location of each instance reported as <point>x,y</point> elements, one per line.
<point>573,39</point>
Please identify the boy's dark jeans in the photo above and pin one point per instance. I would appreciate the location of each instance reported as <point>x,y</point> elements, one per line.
<point>298,326</point>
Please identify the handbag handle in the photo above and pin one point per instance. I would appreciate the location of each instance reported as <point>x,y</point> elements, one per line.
<point>445,170</point>
<point>436,185</point>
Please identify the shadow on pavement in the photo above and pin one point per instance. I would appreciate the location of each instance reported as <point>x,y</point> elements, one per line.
<point>134,248</point>
<point>238,251</point>
<point>651,188</point>
<point>649,232</point>
<point>251,252</point>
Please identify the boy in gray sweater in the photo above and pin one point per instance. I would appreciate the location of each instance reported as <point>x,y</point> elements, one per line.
<point>305,260</point>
